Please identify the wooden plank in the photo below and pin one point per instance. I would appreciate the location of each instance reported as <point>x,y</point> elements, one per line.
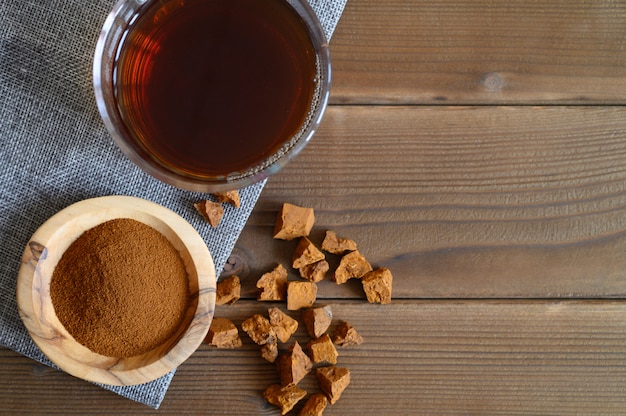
<point>442,52</point>
<point>461,202</point>
<point>435,357</point>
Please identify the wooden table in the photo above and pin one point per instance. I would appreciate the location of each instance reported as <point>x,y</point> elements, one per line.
<point>478,150</point>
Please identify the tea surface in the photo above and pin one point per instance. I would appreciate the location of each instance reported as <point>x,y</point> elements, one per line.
<point>210,87</point>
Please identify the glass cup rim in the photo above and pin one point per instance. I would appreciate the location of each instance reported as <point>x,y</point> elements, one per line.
<point>112,35</point>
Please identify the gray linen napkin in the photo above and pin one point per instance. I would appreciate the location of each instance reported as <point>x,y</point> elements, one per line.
<point>54,149</point>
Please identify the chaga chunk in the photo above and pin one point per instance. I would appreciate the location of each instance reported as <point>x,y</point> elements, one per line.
<point>317,320</point>
<point>306,253</point>
<point>336,245</point>
<point>283,325</point>
<point>293,222</point>
<point>314,272</point>
<point>345,335</point>
<point>333,381</point>
<point>377,285</point>
<point>352,265</point>
<point>301,295</point>
<point>273,285</point>
<point>322,350</point>
<point>229,197</point>
<point>314,406</point>
<point>228,290</point>
<point>211,211</point>
<point>293,366</point>
<point>284,397</point>
<point>269,351</point>
<point>223,334</point>
<point>259,329</point>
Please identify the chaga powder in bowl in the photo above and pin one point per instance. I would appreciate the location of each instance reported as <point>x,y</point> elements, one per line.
<point>120,289</point>
<point>117,290</point>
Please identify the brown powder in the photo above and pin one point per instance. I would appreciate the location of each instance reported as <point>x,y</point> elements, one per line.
<point>121,289</point>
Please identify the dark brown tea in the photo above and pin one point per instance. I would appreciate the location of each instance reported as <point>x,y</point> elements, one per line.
<point>211,87</point>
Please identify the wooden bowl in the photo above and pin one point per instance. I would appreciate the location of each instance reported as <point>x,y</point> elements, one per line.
<point>37,312</point>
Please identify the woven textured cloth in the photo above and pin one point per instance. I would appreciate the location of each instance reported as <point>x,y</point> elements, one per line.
<point>55,151</point>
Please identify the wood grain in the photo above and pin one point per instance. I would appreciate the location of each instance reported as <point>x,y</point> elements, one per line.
<point>463,201</point>
<point>483,52</point>
<point>431,357</point>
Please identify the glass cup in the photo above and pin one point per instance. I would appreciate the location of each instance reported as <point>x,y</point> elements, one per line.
<point>148,101</point>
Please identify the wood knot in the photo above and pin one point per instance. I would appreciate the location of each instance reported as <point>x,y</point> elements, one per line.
<point>492,82</point>
<point>37,250</point>
<point>35,253</point>
<point>237,263</point>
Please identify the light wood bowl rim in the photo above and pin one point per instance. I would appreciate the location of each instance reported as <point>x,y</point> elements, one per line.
<point>37,313</point>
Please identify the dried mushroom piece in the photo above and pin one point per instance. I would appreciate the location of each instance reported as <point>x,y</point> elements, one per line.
<point>314,272</point>
<point>211,211</point>
<point>228,290</point>
<point>223,334</point>
<point>259,329</point>
<point>269,351</point>
<point>317,320</point>
<point>229,197</point>
<point>306,253</point>
<point>377,285</point>
<point>273,285</point>
<point>284,397</point>
<point>345,335</point>
<point>352,265</point>
<point>322,350</point>
<point>333,381</point>
<point>336,245</point>
<point>301,295</point>
<point>293,222</point>
<point>293,366</point>
<point>314,406</point>
<point>283,325</point>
